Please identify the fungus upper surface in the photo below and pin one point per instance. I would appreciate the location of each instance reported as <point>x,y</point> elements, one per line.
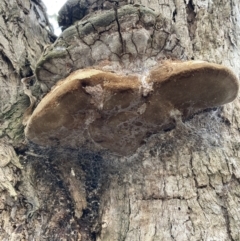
<point>130,38</point>
<point>74,10</point>
<point>117,112</point>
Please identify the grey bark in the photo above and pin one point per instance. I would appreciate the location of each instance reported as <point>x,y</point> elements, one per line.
<point>181,184</point>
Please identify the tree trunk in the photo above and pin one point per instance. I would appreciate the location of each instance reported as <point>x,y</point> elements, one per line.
<point>181,184</point>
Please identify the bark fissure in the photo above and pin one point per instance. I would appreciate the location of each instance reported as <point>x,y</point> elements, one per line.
<point>191,20</point>
<point>225,214</point>
<point>119,28</point>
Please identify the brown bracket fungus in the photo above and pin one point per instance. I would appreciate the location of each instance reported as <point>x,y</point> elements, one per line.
<point>117,111</point>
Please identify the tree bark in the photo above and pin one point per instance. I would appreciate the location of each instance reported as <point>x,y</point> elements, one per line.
<point>181,184</point>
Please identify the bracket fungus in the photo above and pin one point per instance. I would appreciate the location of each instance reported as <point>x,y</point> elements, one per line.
<point>130,38</point>
<point>117,112</point>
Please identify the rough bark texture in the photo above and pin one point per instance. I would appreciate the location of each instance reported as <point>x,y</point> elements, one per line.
<point>181,184</point>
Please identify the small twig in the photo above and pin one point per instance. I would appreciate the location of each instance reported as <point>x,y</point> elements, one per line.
<point>35,155</point>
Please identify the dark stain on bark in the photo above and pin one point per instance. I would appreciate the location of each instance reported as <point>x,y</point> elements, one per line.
<point>191,19</point>
<point>92,165</point>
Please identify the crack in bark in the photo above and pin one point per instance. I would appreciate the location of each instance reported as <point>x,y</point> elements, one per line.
<point>70,57</point>
<point>134,42</point>
<point>119,28</point>
<point>128,221</point>
<point>191,19</point>
<point>226,217</point>
<point>193,173</point>
<point>223,196</point>
<point>174,15</point>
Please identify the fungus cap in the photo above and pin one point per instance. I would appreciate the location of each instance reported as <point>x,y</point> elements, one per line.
<point>95,39</point>
<point>117,112</point>
<point>191,86</point>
